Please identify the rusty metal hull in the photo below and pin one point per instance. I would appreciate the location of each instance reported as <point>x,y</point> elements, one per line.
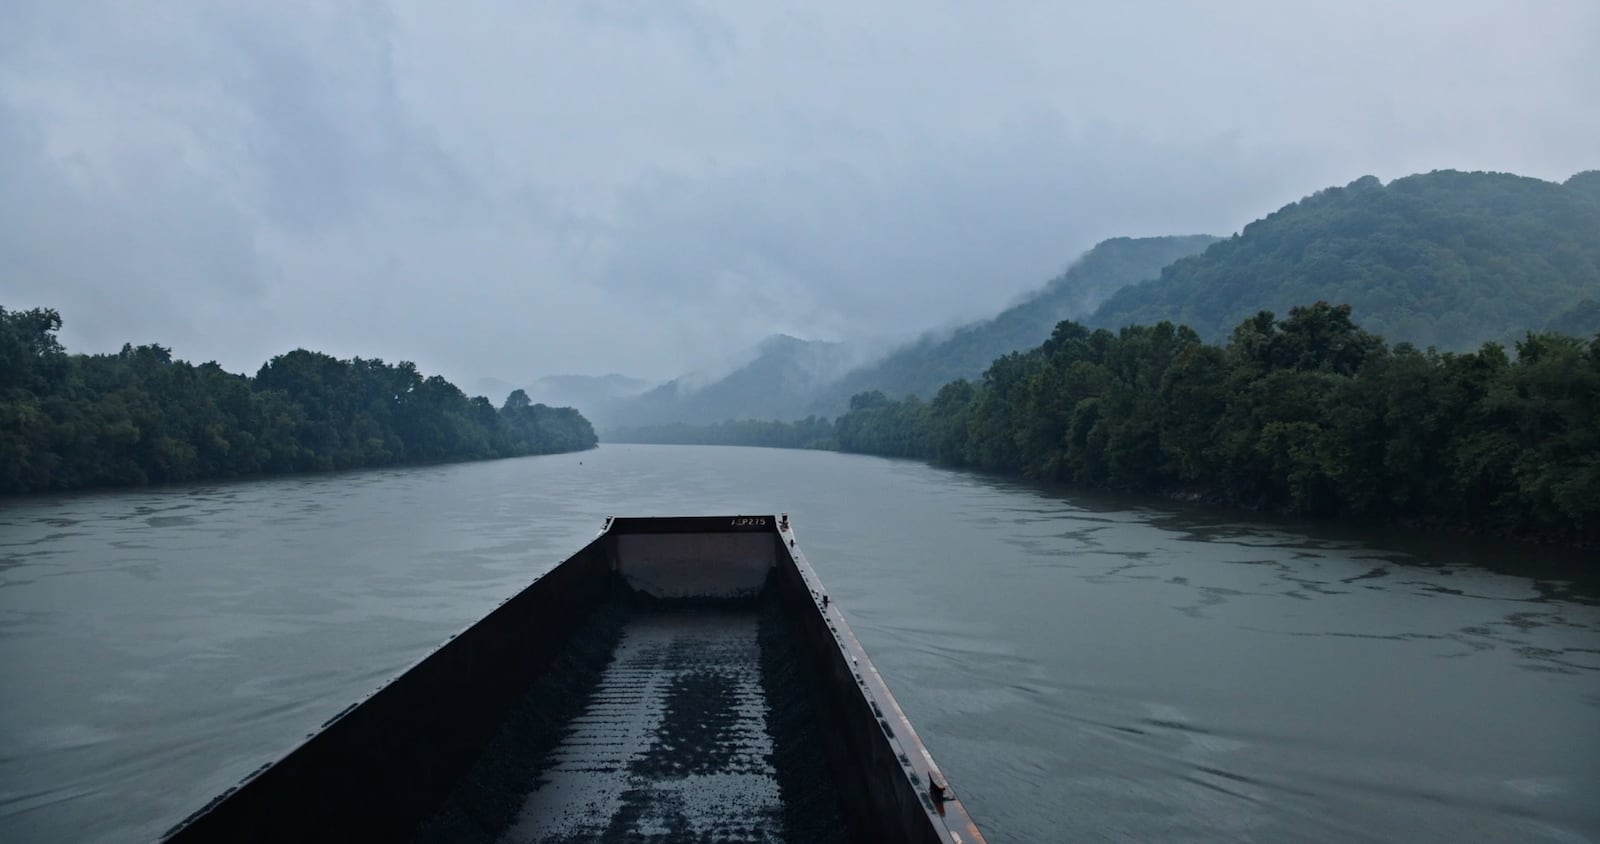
<point>681,678</point>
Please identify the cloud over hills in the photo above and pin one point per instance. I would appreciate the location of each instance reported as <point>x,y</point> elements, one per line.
<point>507,189</point>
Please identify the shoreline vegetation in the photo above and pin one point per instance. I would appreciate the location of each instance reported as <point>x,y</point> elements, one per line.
<point>139,417</point>
<point>1307,415</point>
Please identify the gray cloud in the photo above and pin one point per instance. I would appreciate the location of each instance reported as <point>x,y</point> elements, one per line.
<point>520,189</point>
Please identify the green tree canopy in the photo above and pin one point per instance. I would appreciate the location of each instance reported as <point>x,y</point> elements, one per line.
<point>1445,259</point>
<point>139,416</point>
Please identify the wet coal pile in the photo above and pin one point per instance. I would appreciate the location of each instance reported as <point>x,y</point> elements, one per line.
<point>811,803</point>
<point>492,793</point>
<point>673,745</point>
<point>699,731</point>
<point>663,722</point>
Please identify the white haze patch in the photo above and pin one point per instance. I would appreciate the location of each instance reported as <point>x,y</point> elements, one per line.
<point>504,190</point>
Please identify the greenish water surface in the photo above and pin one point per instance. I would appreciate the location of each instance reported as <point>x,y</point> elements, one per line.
<point>1082,668</point>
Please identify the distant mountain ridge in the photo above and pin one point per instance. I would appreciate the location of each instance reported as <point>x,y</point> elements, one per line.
<point>780,382</point>
<point>581,390</point>
<point>1446,259</point>
<point>922,367</point>
<point>790,378</point>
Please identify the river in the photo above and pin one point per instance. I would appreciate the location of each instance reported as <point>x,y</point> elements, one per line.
<point>1083,668</point>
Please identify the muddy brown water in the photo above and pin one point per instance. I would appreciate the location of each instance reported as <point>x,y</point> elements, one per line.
<point>1083,668</point>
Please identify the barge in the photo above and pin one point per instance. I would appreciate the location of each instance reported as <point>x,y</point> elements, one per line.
<point>677,679</point>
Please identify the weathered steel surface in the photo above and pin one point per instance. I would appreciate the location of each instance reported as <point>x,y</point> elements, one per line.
<point>748,711</point>
<point>379,768</point>
<point>903,794</point>
<point>690,565</point>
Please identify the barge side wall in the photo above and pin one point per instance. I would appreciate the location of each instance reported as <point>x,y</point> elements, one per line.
<point>902,793</point>
<point>379,768</point>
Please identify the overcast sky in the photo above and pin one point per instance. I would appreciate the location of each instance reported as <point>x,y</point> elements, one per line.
<point>527,188</point>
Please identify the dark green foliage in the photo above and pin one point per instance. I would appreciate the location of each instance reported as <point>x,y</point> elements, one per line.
<point>876,425</point>
<point>924,366</point>
<point>1445,259</point>
<point>138,417</point>
<point>810,432</point>
<point>1308,414</point>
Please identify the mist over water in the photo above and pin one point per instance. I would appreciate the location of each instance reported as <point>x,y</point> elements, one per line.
<point>1080,667</point>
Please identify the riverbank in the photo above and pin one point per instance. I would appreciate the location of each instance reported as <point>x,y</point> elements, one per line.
<point>141,417</point>
<point>1307,415</point>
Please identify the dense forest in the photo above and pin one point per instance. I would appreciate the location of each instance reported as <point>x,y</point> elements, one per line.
<point>1307,414</point>
<point>924,366</point>
<point>1444,259</point>
<point>137,417</point>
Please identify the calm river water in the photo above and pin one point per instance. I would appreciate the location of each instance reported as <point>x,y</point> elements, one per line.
<point>1083,668</point>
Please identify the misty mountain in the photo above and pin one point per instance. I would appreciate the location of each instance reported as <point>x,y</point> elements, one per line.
<point>491,388</point>
<point>1580,320</point>
<point>1586,183</point>
<point>1446,259</point>
<point>780,381</point>
<point>585,391</point>
<point>936,359</point>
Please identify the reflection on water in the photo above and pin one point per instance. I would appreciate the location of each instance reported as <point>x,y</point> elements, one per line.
<point>1083,667</point>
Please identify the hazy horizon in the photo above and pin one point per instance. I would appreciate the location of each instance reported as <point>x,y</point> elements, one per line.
<point>508,192</point>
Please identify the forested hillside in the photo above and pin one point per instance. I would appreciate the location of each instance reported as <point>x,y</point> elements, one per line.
<point>139,417</point>
<point>779,382</point>
<point>924,366</point>
<point>1308,414</point>
<point>1445,259</point>
<point>1580,320</point>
